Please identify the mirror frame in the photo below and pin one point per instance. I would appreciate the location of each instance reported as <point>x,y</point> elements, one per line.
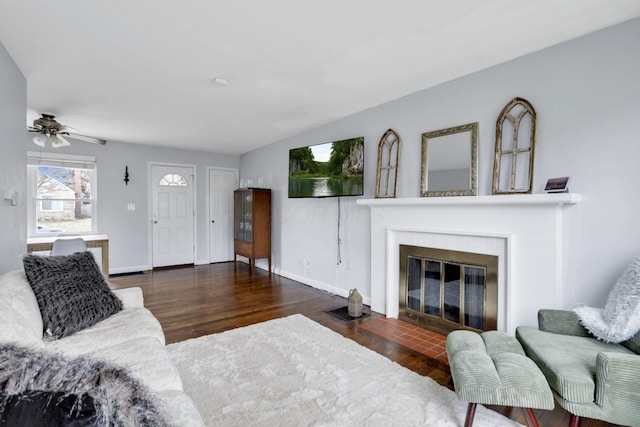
<point>515,112</point>
<point>389,148</point>
<point>472,128</point>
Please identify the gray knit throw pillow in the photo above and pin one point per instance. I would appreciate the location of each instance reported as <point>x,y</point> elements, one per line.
<point>71,292</point>
<point>109,395</point>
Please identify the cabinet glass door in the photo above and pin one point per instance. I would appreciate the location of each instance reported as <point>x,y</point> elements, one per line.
<point>238,229</point>
<point>243,216</point>
<point>247,215</point>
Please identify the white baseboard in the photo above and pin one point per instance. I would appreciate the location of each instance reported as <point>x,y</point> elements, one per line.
<point>129,269</point>
<point>320,285</point>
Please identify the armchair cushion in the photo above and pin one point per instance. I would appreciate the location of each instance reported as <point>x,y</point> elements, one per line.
<point>561,322</point>
<point>568,362</point>
<point>568,323</point>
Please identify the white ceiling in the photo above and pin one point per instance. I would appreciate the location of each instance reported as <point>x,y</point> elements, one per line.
<point>141,71</point>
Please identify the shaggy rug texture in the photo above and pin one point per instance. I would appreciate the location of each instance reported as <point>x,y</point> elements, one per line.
<point>294,372</point>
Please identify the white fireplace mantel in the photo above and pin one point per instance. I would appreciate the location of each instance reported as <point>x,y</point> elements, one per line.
<point>534,236</point>
<point>557,199</point>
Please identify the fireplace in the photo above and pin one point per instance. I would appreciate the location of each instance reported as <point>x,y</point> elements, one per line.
<point>444,290</point>
<point>534,237</point>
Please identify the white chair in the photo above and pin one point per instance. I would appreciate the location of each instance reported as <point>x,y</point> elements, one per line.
<point>68,246</point>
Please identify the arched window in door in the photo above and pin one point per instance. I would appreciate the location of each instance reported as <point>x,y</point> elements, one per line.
<point>172,180</point>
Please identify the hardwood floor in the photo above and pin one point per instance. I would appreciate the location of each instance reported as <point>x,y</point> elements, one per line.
<point>193,301</point>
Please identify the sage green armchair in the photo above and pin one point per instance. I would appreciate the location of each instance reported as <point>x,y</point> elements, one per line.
<point>589,378</point>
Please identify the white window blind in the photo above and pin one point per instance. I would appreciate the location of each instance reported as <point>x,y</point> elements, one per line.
<point>60,160</point>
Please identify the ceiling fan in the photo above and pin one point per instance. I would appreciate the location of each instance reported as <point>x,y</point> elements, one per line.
<point>51,131</point>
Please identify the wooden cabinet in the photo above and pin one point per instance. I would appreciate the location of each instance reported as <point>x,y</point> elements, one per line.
<point>252,224</point>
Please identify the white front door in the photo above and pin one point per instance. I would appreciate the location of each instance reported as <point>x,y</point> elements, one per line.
<point>222,182</point>
<point>173,215</point>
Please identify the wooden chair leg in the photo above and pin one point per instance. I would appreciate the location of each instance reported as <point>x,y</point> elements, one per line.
<point>531,417</point>
<point>471,412</point>
<point>575,421</point>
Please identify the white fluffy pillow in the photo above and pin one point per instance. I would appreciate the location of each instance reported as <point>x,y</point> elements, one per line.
<point>619,320</point>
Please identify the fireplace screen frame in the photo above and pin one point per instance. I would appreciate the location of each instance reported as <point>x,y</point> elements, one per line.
<point>465,259</point>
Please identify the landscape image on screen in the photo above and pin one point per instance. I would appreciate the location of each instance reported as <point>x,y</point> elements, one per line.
<point>327,170</point>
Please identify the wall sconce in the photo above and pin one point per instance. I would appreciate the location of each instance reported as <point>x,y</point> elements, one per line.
<point>126,175</point>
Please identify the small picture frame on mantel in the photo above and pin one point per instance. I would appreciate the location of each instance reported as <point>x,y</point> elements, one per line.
<point>557,185</point>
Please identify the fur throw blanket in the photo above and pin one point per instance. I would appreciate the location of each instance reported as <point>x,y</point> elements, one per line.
<point>118,399</point>
<point>619,320</point>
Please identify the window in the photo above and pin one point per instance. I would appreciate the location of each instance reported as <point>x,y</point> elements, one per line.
<point>51,205</point>
<point>62,194</point>
<point>172,180</point>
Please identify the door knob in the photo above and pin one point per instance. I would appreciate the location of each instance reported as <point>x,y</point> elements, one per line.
<point>155,222</point>
<point>212,221</point>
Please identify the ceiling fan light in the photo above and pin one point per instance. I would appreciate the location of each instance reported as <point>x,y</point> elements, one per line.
<point>40,140</point>
<point>58,141</point>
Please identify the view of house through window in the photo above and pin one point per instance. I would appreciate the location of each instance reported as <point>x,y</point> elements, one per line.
<point>64,198</point>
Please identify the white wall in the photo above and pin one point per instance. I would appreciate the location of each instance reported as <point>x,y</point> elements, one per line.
<point>127,230</point>
<point>13,174</point>
<point>129,240</point>
<point>586,94</point>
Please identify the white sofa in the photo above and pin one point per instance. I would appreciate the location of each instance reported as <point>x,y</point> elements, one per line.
<point>132,339</point>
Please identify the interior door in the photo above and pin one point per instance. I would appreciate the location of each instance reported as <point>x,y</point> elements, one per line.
<point>173,215</point>
<point>222,182</point>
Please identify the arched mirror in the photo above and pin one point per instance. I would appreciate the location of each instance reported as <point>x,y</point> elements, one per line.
<point>450,161</point>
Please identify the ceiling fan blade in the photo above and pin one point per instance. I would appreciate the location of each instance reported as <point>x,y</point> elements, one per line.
<point>67,129</point>
<point>86,138</point>
<point>58,141</point>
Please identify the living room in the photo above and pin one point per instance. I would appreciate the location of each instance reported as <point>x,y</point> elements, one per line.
<point>585,92</point>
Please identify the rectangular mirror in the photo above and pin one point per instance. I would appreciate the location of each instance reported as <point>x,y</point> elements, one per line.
<point>450,161</point>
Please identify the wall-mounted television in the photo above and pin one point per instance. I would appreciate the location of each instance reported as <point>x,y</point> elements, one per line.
<point>331,169</point>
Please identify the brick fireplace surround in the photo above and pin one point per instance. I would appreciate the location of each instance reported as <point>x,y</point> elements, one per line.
<point>534,236</point>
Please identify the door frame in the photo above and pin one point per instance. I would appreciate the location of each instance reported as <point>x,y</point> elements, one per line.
<point>150,166</point>
<point>237,177</point>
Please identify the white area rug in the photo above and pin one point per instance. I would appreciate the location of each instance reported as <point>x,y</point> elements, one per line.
<point>295,372</point>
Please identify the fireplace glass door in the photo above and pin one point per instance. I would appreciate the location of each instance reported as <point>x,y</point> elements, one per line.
<point>448,294</point>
